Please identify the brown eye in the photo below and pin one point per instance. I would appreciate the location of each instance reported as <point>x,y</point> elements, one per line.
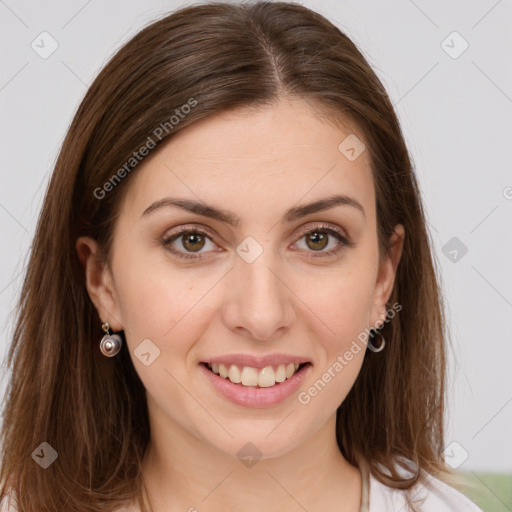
<point>193,242</point>
<point>318,240</point>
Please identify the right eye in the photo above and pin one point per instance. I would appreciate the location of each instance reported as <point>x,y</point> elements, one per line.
<point>193,240</point>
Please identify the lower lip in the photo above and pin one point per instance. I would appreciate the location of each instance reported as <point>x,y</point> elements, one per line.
<point>250,396</point>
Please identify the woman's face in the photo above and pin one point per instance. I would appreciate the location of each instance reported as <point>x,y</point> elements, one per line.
<point>253,283</point>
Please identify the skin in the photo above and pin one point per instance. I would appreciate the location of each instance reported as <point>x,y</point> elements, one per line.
<point>257,164</point>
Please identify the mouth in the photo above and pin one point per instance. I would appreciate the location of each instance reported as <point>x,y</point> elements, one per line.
<point>267,377</point>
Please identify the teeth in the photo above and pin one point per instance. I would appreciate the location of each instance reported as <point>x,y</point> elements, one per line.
<point>223,371</point>
<point>266,377</point>
<point>249,376</point>
<point>281,373</point>
<point>234,374</point>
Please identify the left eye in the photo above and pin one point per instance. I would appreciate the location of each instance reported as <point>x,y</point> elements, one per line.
<point>318,238</point>
<point>194,240</point>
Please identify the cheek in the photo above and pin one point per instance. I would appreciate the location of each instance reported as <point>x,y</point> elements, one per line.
<point>343,302</point>
<point>160,303</point>
<point>329,386</point>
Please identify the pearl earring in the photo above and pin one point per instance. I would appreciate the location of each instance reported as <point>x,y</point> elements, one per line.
<point>110,344</point>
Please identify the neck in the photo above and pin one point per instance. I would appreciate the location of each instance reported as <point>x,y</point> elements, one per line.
<point>182,472</point>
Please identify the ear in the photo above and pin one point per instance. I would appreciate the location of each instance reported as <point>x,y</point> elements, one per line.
<point>386,276</point>
<point>99,282</point>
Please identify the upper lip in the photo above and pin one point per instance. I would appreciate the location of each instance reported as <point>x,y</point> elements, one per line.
<point>257,361</point>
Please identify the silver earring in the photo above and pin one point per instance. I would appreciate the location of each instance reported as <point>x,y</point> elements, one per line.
<point>110,344</point>
<point>371,346</point>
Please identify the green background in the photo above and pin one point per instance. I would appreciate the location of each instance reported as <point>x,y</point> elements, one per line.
<point>492,492</point>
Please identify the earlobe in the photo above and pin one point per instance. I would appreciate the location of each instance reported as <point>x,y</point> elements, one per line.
<point>98,282</point>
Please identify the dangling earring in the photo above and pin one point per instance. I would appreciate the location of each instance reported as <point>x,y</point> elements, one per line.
<point>110,344</point>
<point>371,346</point>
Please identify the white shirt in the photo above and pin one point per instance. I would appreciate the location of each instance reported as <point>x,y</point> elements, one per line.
<point>433,496</point>
<point>377,497</point>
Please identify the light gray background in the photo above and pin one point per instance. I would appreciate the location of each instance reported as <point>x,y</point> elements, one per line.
<point>455,113</point>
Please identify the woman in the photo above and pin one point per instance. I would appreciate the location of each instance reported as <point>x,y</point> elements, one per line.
<point>295,357</point>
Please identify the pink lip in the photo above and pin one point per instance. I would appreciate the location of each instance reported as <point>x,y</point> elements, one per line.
<point>249,396</point>
<point>257,361</point>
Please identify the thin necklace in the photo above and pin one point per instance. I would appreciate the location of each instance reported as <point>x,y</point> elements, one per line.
<point>145,498</point>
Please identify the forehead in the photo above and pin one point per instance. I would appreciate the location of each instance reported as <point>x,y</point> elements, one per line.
<point>266,158</point>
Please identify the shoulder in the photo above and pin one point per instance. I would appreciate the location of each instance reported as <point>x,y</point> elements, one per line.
<point>7,504</point>
<point>432,496</point>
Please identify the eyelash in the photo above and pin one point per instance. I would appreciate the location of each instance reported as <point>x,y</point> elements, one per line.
<point>323,228</point>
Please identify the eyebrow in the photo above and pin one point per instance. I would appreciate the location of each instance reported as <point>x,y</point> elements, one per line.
<point>230,218</point>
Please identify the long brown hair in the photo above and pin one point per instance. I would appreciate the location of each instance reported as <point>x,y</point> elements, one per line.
<point>92,410</point>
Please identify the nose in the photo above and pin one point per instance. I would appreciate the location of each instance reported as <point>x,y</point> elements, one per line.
<point>259,302</point>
